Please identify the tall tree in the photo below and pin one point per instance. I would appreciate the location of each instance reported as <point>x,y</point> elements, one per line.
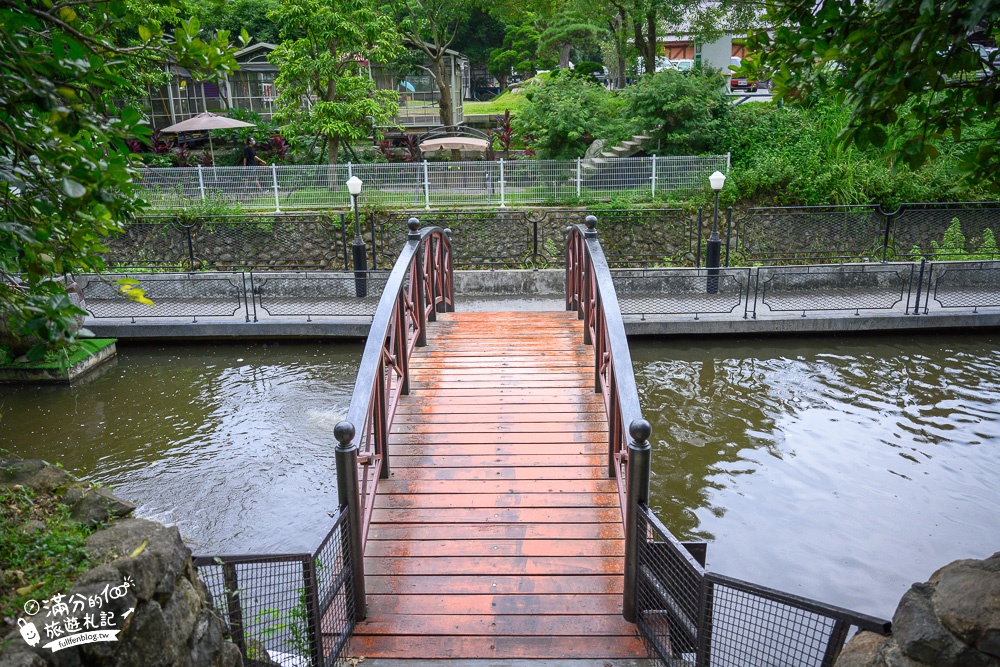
<point>905,69</point>
<point>648,17</point>
<point>568,29</point>
<point>323,84</point>
<point>238,15</point>
<point>431,26</point>
<point>479,36</point>
<point>518,53</point>
<point>65,171</point>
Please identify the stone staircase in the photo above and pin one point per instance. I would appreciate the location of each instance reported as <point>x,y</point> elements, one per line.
<point>626,148</point>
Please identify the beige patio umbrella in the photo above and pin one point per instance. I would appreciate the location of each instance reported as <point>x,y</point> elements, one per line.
<point>455,143</point>
<point>207,121</point>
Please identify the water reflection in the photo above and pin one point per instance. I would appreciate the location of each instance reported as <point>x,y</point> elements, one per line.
<point>842,469</point>
<point>232,443</point>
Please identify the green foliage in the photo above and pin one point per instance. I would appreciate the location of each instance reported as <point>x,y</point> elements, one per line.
<point>431,26</point>
<point>65,173</point>
<point>518,55</point>
<point>237,15</point>
<point>569,28</point>
<point>479,36</point>
<point>320,60</point>
<point>903,67</point>
<point>589,69</point>
<point>684,111</point>
<point>952,246</point>
<point>292,622</point>
<point>564,115</point>
<point>210,206</point>
<point>37,559</point>
<point>791,156</point>
<point>61,358</point>
<point>237,136</point>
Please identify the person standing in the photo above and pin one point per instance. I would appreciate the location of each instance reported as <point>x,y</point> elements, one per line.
<point>251,159</point>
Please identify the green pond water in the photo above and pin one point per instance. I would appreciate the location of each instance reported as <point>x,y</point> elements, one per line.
<point>841,469</point>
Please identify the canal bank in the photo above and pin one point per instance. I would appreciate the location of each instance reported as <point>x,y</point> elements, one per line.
<point>820,299</point>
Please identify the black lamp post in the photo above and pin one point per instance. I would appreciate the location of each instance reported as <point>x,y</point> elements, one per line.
<point>713,248</point>
<point>358,251</point>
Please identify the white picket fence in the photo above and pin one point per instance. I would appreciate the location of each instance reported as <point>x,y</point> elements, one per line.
<point>429,184</point>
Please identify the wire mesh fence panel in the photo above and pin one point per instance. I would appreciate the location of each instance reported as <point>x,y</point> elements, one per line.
<point>462,183</point>
<point>295,610</point>
<point>335,608</point>
<point>185,295</point>
<point>315,294</point>
<point>849,287</point>
<point>264,600</point>
<point>622,177</point>
<point>972,285</point>
<point>668,593</point>
<point>808,234</point>
<point>487,183</point>
<point>681,291</point>
<point>310,187</point>
<point>539,182</point>
<point>150,243</point>
<point>683,173</point>
<point>390,184</point>
<point>750,626</point>
<point>285,241</point>
<point>169,189</point>
<point>919,230</point>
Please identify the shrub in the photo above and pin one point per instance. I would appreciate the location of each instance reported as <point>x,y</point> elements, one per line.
<point>791,156</point>
<point>565,114</point>
<point>685,111</point>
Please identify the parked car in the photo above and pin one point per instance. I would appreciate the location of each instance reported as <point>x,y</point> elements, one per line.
<point>740,82</point>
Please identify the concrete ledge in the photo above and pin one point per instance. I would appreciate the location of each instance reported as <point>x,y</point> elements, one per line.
<point>518,282</point>
<point>55,375</point>
<point>828,323</point>
<point>343,327</point>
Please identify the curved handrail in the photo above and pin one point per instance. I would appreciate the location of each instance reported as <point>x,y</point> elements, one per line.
<point>398,326</point>
<point>591,292</point>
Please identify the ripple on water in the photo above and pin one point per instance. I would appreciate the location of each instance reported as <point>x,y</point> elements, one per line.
<point>232,443</point>
<point>839,469</point>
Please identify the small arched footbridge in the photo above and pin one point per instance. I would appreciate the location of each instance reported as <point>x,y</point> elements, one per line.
<point>493,478</point>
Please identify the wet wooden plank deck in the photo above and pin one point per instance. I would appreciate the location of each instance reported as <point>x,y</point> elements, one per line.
<point>498,534</point>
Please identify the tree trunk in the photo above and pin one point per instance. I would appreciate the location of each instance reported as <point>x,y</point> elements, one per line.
<point>651,44</point>
<point>332,149</point>
<point>619,37</point>
<point>444,87</point>
<point>502,80</point>
<point>564,56</point>
<point>645,43</point>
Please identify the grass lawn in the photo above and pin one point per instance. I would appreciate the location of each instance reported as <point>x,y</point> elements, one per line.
<point>60,359</point>
<point>497,105</point>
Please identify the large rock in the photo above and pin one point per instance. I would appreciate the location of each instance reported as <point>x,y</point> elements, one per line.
<point>142,580</point>
<point>967,600</point>
<point>952,620</point>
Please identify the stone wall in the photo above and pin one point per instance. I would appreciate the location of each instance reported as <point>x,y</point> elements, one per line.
<point>142,578</point>
<point>952,620</point>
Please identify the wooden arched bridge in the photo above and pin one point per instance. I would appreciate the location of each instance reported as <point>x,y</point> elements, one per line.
<point>493,482</point>
<point>495,472</point>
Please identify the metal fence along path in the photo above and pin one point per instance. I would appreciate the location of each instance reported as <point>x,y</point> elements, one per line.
<point>486,183</point>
